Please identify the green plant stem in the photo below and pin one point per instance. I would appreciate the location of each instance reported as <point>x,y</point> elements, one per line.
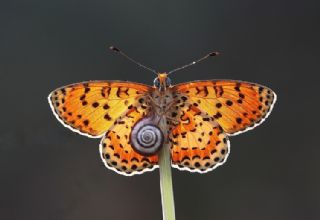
<point>166,178</point>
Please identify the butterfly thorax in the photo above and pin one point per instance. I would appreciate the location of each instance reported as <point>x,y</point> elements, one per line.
<point>162,102</point>
<point>162,97</point>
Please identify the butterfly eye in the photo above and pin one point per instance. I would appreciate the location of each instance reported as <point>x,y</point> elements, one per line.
<point>168,81</point>
<point>156,82</point>
<point>146,137</point>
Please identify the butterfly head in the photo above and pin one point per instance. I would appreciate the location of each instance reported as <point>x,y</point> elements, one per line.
<point>162,81</point>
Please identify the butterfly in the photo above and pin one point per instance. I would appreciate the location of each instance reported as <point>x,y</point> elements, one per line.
<point>199,117</point>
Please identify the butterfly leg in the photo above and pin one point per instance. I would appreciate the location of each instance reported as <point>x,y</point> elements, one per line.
<point>154,102</point>
<point>170,106</point>
<point>173,119</point>
<point>166,111</point>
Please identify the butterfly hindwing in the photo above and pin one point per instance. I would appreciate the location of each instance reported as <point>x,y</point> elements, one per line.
<point>198,142</point>
<point>116,150</point>
<point>237,106</point>
<point>90,108</point>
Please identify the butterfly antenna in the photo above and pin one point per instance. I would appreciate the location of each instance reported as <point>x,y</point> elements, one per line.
<point>115,49</point>
<point>212,54</point>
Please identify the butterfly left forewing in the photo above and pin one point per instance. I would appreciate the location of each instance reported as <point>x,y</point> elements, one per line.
<point>90,108</point>
<point>237,106</point>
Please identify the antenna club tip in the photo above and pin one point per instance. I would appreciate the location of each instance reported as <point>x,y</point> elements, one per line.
<point>212,54</point>
<point>114,49</point>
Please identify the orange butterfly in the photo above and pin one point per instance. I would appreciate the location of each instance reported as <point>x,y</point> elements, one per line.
<point>199,116</point>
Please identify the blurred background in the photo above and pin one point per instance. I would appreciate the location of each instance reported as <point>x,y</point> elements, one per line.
<point>49,172</point>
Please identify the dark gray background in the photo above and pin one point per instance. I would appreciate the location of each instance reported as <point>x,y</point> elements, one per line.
<point>48,172</point>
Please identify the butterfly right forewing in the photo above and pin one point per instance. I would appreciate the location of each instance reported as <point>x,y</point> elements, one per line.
<point>236,105</point>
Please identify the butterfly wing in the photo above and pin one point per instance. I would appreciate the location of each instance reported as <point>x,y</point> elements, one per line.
<point>237,106</point>
<point>198,142</point>
<point>116,149</point>
<point>90,108</point>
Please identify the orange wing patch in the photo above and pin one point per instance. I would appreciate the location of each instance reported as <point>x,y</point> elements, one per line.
<point>116,150</point>
<point>237,106</point>
<point>198,142</point>
<point>90,108</point>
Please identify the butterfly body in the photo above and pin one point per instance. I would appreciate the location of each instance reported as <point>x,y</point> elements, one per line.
<point>199,116</point>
